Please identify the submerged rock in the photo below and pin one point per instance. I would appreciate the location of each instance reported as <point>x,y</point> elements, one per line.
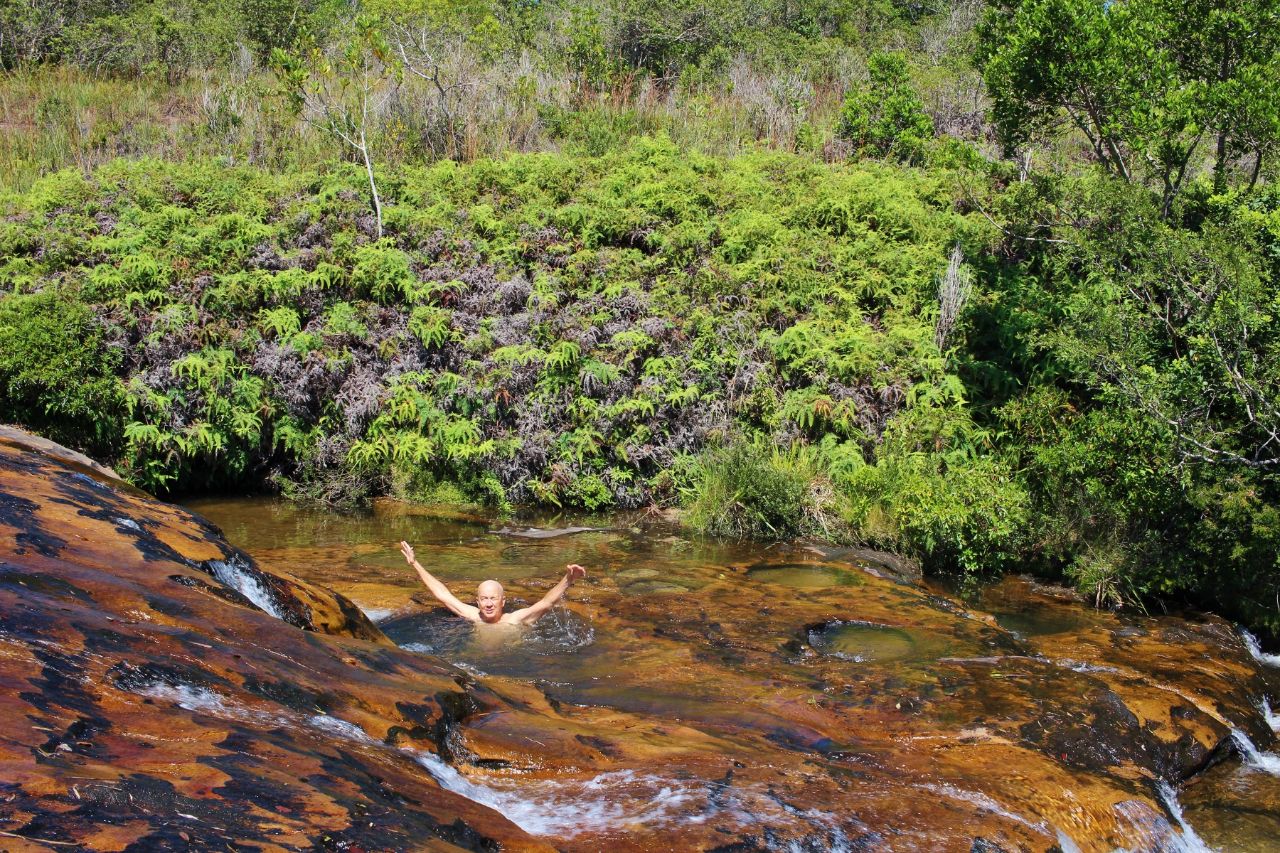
<point>545,533</point>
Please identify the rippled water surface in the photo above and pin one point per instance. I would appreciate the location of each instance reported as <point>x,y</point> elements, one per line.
<point>787,630</point>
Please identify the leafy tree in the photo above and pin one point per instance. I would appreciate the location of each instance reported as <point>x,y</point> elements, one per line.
<point>1231,48</point>
<point>1148,431</point>
<point>271,24</point>
<point>1181,325</point>
<point>114,36</point>
<point>588,53</point>
<point>662,39</point>
<point>31,29</point>
<point>1146,82</point>
<point>887,117</point>
<point>342,91</point>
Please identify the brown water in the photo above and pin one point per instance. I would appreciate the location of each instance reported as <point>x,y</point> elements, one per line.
<point>1030,721</point>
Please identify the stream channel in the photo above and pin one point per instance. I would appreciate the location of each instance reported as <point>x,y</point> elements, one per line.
<point>859,710</point>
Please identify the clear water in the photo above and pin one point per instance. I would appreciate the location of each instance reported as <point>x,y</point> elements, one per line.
<point>863,643</point>
<point>803,575</point>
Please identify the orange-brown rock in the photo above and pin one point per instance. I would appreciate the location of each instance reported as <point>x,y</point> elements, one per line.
<point>148,705</point>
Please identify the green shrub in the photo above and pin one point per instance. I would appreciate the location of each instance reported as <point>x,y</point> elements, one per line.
<point>971,517</point>
<point>383,272</point>
<point>57,373</point>
<point>748,490</point>
<point>887,118</point>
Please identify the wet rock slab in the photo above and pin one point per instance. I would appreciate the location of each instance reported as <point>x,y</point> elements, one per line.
<point>153,699</point>
<point>149,704</point>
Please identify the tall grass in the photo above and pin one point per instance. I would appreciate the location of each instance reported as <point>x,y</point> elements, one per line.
<point>469,107</point>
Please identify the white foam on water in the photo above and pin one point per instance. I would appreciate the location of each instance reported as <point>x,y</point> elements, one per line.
<point>205,701</point>
<point>565,808</point>
<point>342,729</point>
<point>379,614</point>
<point>982,801</point>
<point>190,697</point>
<point>247,585</point>
<point>470,669</point>
<point>1066,843</point>
<point>1082,667</point>
<point>1188,841</point>
<point>837,842</point>
<point>1273,719</point>
<point>128,523</point>
<point>1255,649</point>
<point>550,808</point>
<point>1254,758</point>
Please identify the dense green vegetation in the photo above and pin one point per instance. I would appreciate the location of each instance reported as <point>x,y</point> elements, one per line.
<point>775,262</point>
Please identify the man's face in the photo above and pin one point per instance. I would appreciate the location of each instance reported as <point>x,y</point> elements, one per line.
<point>489,600</point>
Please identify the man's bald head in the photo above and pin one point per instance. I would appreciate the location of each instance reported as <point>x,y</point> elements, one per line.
<point>489,601</point>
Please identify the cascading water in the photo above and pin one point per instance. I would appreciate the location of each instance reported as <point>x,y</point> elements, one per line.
<point>1188,841</point>
<point>1255,649</point>
<point>1273,719</point>
<point>233,574</point>
<point>1267,762</point>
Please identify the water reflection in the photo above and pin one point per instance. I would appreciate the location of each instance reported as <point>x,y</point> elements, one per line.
<point>1041,622</point>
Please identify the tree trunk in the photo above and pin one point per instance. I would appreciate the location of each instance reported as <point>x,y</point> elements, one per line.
<point>373,186</point>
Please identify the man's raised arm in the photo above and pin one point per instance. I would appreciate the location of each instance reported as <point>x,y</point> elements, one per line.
<point>530,614</point>
<point>439,590</point>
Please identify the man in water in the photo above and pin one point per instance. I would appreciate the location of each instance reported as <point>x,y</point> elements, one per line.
<point>489,596</point>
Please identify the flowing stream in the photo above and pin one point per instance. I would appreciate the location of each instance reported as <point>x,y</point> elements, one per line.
<point>670,625</point>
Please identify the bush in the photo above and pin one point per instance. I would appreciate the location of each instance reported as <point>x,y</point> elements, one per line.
<point>57,373</point>
<point>748,490</point>
<point>969,517</point>
<point>887,118</point>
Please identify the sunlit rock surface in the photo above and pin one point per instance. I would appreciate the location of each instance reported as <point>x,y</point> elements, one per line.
<point>147,705</point>
<point>730,700</point>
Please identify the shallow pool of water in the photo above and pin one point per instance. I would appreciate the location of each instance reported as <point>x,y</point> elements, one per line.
<point>741,649</point>
<point>804,575</point>
<point>863,643</point>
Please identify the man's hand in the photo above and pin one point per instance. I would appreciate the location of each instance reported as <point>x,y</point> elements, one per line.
<point>575,572</point>
<point>407,550</point>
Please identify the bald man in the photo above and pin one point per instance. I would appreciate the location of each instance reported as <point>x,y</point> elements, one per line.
<point>489,596</point>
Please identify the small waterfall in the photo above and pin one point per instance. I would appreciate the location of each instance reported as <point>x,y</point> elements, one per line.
<point>232,574</point>
<point>1255,649</point>
<point>1188,841</point>
<point>1065,842</point>
<point>1254,758</point>
<point>188,696</point>
<point>342,729</point>
<point>611,799</point>
<point>1273,719</point>
<point>988,804</point>
<point>379,614</point>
